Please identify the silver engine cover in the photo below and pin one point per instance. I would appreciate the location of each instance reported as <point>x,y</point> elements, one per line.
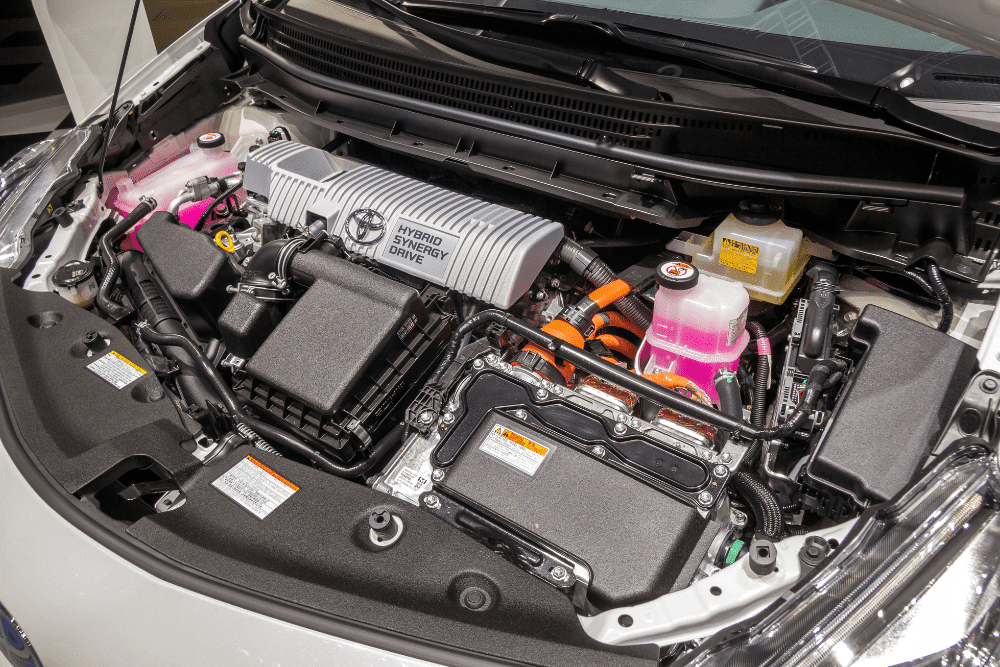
<point>486,251</point>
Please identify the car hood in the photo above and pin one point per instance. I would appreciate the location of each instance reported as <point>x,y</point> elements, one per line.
<point>975,24</point>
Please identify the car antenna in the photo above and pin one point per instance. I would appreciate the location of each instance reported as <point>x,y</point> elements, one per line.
<point>114,100</point>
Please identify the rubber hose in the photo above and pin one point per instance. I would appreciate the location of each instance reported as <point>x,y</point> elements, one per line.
<point>585,262</point>
<point>759,497</point>
<point>730,401</point>
<point>633,382</point>
<point>105,303</point>
<point>228,192</point>
<point>265,430</point>
<point>758,406</point>
<point>615,320</point>
<point>941,292</point>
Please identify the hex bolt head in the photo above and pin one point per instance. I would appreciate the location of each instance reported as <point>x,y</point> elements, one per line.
<point>541,394</point>
<point>521,414</point>
<point>437,475</point>
<point>478,364</point>
<point>720,471</point>
<point>599,451</point>
<point>448,417</point>
<point>620,429</point>
<point>492,358</point>
<point>432,501</point>
<point>705,498</point>
<point>557,390</point>
<point>989,385</point>
<point>739,518</point>
<point>426,417</point>
<point>726,457</point>
<point>559,573</point>
<point>707,455</point>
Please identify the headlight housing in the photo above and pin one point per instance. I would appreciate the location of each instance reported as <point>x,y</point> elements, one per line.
<point>27,182</point>
<point>855,609</point>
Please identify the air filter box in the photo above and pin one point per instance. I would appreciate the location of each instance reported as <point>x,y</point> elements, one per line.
<point>346,354</point>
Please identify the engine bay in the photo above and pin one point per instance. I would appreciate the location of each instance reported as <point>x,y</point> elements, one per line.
<point>667,427</point>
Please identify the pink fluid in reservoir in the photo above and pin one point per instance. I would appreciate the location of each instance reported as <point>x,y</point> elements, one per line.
<point>699,326</point>
<point>206,158</point>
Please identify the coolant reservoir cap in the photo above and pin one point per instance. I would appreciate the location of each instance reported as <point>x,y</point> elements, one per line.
<point>676,275</point>
<point>72,273</point>
<point>211,140</point>
<point>758,211</point>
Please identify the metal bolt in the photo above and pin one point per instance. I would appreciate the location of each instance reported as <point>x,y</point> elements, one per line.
<point>437,475</point>
<point>599,451</point>
<point>620,429</point>
<point>559,573</point>
<point>557,390</point>
<point>635,423</point>
<point>491,359</point>
<point>720,471</point>
<point>705,498</point>
<point>554,283</point>
<point>432,501</point>
<point>448,417</point>
<point>707,455</point>
<point>541,394</point>
<point>989,385</point>
<point>850,316</point>
<point>739,518</point>
<point>478,364</point>
<point>426,417</point>
<point>726,457</point>
<point>521,414</point>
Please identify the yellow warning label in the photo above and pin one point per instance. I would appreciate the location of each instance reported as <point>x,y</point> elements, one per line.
<point>521,440</point>
<point>739,255</point>
<point>138,368</point>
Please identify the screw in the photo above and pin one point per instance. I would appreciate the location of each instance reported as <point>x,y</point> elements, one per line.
<point>437,475</point>
<point>705,498</point>
<point>707,455</point>
<point>521,414</point>
<point>448,417</point>
<point>426,417</point>
<point>541,394</point>
<point>720,471</point>
<point>598,450</point>
<point>989,385</point>
<point>559,573</point>
<point>726,457</point>
<point>478,364</point>
<point>620,429</point>
<point>432,501</point>
<point>557,390</point>
<point>491,359</point>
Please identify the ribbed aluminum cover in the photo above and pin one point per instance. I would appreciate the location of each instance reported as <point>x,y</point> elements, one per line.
<point>483,250</point>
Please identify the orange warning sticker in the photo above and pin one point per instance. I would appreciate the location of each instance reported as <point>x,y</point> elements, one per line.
<point>515,449</point>
<point>255,487</point>
<point>739,255</point>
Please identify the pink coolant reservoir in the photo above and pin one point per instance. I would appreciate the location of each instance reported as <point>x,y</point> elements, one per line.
<point>699,326</point>
<point>206,158</point>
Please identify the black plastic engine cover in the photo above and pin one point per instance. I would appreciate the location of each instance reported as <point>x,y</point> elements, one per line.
<point>893,408</point>
<point>188,263</point>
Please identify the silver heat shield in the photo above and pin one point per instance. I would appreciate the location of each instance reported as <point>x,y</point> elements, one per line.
<point>486,251</point>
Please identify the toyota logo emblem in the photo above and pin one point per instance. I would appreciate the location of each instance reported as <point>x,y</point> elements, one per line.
<point>365,226</point>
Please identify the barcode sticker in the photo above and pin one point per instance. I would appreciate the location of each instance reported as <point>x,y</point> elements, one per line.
<point>255,487</point>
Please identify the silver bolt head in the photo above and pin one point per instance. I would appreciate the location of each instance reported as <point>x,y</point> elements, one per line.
<point>437,475</point>
<point>739,518</point>
<point>554,283</point>
<point>620,428</point>
<point>726,457</point>
<point>521,414</point>
<point>491,358</point>
<point>541,393</point>
<point>720,471</point>
<point>478,364</point>
<point>705,498</point>
<point>557,390</point>
<point>448,417</point>
<point>559,573</point>
<point>707,455</point>
<point>599,451</point>
<point>426,417</point>
<point>432,501</point>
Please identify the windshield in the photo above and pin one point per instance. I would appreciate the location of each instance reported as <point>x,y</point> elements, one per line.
<point>835,39</point>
